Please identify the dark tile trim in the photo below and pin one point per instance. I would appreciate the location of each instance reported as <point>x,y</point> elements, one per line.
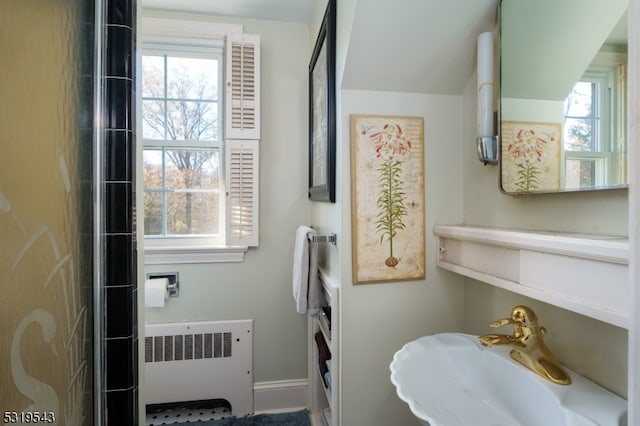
<point>120,340</point>
<point>119,358</point>
<point>121,313</point>
<point>117,156</point>
<point>119,51</point>
<point>121,407</point>
<point>119,195</point>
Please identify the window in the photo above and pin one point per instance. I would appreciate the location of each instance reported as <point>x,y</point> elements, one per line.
<point>590,128</point>
<point>182,159</point>
<point>200,125</point>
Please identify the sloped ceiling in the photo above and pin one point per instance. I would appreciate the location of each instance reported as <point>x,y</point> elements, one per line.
<point>547,44</point>
<point>423,46</point>
<point>271,10</point>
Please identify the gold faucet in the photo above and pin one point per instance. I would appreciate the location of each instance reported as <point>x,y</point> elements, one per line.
<point>528,345</point>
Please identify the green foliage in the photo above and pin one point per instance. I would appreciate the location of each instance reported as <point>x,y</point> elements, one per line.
<point>390,201</point>
<point>178,109</point>
<point>527,177</point>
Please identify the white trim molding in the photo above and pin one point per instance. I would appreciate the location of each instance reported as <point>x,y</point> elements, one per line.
<point>587,274</point>
<point>192,254</point>
<point>163,27</point>
<point>280,396</point>
<point>634,211</point>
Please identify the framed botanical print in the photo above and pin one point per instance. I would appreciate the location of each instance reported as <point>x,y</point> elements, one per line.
<point>531,157</point>
<point>387,198</point>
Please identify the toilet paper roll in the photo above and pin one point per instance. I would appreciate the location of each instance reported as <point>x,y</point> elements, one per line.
<point>155,292</point>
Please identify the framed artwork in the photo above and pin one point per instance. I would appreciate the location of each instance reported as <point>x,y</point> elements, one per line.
<point>388,201</point>
<point>322,111</point>
<point>530,156</point>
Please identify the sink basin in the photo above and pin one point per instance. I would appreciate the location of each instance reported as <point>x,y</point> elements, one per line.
<point>451,379</point>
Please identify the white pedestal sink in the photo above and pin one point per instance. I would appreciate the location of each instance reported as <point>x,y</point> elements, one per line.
<point>450,379</point>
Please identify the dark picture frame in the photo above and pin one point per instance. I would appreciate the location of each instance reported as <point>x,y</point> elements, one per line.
<point>322,111</point>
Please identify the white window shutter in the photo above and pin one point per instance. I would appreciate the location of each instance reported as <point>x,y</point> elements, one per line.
<point>243,87</point>
<point>242,175</point>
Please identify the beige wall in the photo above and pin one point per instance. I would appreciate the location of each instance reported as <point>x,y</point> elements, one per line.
<point>260,287</point>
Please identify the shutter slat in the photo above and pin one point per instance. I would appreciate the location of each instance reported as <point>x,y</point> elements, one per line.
<point>242,194</point>
<point>243,89</point>
<point>242,128</point>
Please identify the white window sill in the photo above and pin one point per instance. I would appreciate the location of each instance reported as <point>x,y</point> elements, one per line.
<point>193,254</point>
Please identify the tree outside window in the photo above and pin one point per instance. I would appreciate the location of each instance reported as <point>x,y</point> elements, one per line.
<point>182,145</point>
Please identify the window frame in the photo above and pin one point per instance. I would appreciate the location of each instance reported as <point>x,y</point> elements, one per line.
<point>178,34</point>
<point>195,49</point>
<point>604,144</point>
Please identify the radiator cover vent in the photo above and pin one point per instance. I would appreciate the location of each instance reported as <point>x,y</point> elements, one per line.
<point>188,347</point>
<point>200,361</point>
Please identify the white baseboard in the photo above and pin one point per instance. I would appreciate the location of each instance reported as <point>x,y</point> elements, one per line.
<point>280,396</point>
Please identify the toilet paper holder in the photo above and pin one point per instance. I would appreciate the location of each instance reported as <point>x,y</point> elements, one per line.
<point>174,283</point>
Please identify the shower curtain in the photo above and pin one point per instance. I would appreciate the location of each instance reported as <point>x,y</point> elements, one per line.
<point>68,287</point>
<point>46,237</point>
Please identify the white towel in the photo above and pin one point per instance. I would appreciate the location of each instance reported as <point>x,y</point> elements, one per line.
<point>306,291</point>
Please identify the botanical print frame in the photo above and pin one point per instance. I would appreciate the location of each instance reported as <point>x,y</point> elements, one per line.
<point>388,201</point>
<point>531,156</point>
<point>322,111</point>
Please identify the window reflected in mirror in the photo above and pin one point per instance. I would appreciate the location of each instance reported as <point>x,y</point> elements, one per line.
<point>563,90</point>
<point>593,129</point>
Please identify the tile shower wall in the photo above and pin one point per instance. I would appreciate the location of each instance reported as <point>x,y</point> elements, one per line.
<point>120,286</point>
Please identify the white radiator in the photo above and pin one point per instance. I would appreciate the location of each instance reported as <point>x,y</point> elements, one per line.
<point>196,361</point>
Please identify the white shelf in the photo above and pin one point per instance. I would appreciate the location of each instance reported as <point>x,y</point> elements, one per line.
<point>323,324</point>
<point>587,274</point>
<point>327,391</point>
<point>323,398</point>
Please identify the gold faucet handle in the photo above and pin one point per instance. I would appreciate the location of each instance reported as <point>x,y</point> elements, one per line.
<point>501,322</point>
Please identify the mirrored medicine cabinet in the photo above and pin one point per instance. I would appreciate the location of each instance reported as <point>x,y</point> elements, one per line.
<point>563,115</point>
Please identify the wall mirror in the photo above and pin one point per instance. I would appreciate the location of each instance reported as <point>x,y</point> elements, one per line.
<point>563,99</point>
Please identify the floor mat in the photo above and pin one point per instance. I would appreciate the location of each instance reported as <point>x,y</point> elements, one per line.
<point>218,413</point>
<point>297,418</point>
<point>202,411</point>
